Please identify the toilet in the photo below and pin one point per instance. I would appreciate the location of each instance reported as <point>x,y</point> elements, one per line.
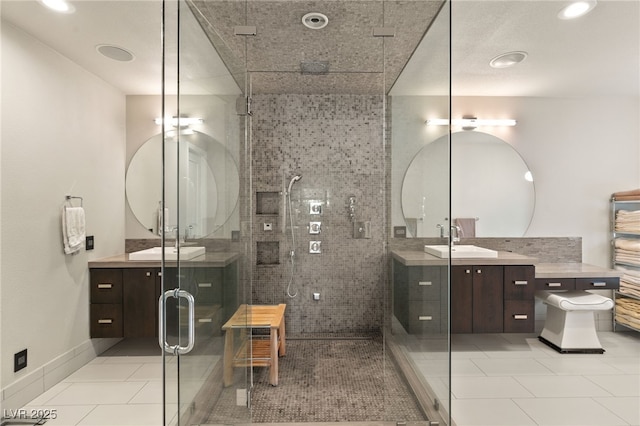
<point>570,326</point>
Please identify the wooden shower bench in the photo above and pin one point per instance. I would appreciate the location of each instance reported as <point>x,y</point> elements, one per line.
<point>255,351</point>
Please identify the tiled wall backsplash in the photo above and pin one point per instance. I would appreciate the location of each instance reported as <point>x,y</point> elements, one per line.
<point>335,142</point>
<point>545,249</point>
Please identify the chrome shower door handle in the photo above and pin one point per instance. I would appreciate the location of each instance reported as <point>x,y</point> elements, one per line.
<point>162,338</point>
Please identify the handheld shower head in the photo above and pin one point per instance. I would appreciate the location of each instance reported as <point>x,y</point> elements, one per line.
<point>293,180</point>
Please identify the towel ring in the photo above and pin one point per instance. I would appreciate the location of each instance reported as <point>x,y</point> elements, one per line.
<point>73,197</point>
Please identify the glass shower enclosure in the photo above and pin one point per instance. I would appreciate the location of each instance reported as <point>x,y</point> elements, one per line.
<point>289,127</point>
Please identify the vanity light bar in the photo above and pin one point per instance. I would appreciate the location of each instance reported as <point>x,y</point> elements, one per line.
<point>470,122</point>
<point>180,121</point>
<point>61,6</point>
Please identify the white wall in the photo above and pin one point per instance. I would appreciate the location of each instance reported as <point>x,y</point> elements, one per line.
<point>63,133</point>
<point>579,150</point>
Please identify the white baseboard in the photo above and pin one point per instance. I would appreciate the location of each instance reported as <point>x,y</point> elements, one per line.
<point>34,384</point>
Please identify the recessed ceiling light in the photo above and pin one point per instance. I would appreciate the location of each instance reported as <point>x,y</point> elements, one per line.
<point>577,9</point>
<point>508,59</point>
<point>114,52</point>
<point>61,6</point>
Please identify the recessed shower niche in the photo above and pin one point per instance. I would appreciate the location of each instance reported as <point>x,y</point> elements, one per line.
<point>268,203</point>
<point>267,253</point>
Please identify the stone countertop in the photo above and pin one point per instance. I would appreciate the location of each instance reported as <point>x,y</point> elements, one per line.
<point>209,259</point>
<point>574,270</point>
<point>418,258</point>
<point>543,270</point>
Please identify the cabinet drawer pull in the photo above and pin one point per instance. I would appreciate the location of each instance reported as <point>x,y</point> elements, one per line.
<point>554,284</point>
<point>205,320</point>
<point>525,282</point>
<point>105,285</point>
<point>467,271</point>
<point>105,321</point>
<point>520,316</point>
<point>148,274</point>
<point>204,285</point>
<point>479,271</point>
<point>599,284</point>
<point>424,283</point>
<point>425,318</point>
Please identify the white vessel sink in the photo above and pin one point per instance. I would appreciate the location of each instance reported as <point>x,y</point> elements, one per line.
<point>170,253</point>
<point>460,251</point>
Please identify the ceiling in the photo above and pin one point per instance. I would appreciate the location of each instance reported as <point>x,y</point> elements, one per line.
<point>596,55</point>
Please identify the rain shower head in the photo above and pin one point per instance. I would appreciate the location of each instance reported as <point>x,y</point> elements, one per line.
<point>314,67</point>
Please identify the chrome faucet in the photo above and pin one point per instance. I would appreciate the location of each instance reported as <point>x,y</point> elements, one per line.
<point>455,234</point>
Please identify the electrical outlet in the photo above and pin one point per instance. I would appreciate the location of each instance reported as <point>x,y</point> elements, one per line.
<point>20,360</point>
<point>88,245</point>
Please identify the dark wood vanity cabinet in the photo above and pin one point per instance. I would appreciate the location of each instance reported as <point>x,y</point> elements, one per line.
<point>484,298</point>
<point>461,300</point>
<point>479,288</point>
<point>106,303</point>
<point>124,302</point>
<point>419,302</point>
<point>519,298</point>
<point>592,283</point>
<point>140,294</point>
<point>492,299</point>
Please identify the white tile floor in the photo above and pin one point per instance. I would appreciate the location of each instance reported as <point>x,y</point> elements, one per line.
<point>122,387</point>
<point>515,380</point>
<point>502,379</point>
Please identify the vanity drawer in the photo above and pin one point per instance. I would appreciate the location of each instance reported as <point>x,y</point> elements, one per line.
<point>519,282</point>
<point>106,320</point>
<point>106,286</point>
<point>519,316</point>
<point>597,283</point>
<point>555,283</point>
<point>208,283</point>
<point>424,283</point>
<point>424,317</point>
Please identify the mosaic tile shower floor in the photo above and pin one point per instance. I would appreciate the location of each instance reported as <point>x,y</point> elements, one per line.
<point>327,381</point>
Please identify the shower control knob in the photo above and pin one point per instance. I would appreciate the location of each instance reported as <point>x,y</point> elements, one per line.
<point>314,227</point>
<point>314,247</point>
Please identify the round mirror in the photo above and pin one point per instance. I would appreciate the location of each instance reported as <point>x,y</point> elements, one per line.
<point>491,188</point>
<point>199,169</point>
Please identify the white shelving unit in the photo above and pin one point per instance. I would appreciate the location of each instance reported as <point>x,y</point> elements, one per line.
<point>629,231</point>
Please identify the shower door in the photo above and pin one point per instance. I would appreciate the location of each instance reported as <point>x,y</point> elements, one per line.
<point>202,180</point>
<point>420,214</point>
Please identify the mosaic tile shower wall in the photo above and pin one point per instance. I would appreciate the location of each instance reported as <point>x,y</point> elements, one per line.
<point>335,142</point>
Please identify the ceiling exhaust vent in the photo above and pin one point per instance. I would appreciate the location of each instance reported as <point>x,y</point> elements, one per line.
<point>314,67</point>
<point>315,20</point>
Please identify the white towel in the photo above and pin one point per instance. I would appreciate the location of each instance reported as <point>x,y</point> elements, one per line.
<point>73,229</point>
